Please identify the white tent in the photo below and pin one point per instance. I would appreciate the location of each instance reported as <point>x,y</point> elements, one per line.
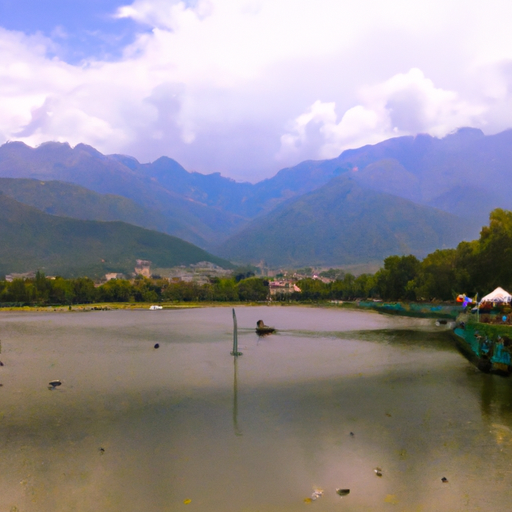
<point>498,295</point>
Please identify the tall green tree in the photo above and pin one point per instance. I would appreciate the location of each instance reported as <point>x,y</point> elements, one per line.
<point>84,290</point>
<point>116,290</point>
<point>437,277</point>
<point>494,252</point>
<point>253,289</point>
<point>43,288</point>
<point>395,280</point>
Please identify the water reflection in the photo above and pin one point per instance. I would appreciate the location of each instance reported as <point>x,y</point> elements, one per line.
<point>236,428</point>
<point>488,395</point>
<point>495,397</point>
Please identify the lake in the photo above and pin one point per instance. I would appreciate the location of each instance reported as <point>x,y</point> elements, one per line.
<point>321,404</point>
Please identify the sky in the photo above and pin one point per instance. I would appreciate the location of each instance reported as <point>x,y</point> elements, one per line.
<point>247,87</point>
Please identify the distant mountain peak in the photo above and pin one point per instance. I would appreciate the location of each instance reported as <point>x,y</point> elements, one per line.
<point>168,164</point>
<point>54,144</point>
<point>467,132</point>
<point>89,150</point>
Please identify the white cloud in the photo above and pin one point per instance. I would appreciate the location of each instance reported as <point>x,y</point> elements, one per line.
<point>407,103</point>
<point>166,14</point>
<point>226,85</point>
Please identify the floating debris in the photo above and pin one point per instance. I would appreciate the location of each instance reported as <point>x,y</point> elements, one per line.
<point>444,480</point>
<point>54,383</point>
<point>317,493</point>
<point>378,471</point>
<point>157,345</point>
<point>342,492</point>
<point>352,434</point>
<point>102,450</point>
<point>1,364</point>
<point>187,501</point>
<point>307,500</point>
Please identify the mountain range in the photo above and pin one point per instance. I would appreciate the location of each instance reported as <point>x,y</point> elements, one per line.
<point>403,195</point>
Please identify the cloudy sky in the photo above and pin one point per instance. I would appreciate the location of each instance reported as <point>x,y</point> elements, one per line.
<point>247,87</point>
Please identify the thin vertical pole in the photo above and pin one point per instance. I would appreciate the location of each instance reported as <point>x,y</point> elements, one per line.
<point>235,336</point>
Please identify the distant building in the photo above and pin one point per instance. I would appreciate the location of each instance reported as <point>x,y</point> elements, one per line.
<point>143,268</point>
<point>283,288</point>
<point>113,275</point>
<point>205,265</point>
<point>26,275</point>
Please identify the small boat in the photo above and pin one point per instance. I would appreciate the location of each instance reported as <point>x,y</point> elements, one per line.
<point>154,308</point>
<point>262,329</point>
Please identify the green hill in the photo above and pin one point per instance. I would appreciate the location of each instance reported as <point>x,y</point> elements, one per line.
<point>343,223</point>
<point>31,240</point>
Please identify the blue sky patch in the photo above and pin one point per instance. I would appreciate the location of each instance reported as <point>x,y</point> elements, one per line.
<point>80,29</point>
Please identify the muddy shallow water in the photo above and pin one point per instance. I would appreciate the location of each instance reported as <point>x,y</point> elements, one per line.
<point>188,427</point>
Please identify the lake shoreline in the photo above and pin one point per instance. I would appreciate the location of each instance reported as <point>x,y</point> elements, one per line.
<point>108,306</point>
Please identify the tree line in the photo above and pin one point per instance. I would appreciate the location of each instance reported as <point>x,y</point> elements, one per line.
<point>43,291</point>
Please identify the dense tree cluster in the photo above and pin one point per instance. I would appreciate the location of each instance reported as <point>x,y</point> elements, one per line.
<point>44,291</point>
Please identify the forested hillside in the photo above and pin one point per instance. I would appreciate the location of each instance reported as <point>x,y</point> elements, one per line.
<point>32,240</point>
<point>343,223</point>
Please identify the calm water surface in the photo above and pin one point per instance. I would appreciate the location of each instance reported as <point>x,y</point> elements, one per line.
<point>187,427</point>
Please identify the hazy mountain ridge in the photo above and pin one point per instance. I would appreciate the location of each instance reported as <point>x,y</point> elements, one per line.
<point>420,168</point>
<point>344,223</point>
<point>34,240</point>
<point>85,166</point>
<point>466,173</point>
<point>436,168</point>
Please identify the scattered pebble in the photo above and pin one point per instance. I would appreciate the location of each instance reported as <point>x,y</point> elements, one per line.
<point>102,450</point>
<point>157,345</point>
<point>378,471</point>
<point>1,364</point>
<point>352,434</point>
<point>444,480</point>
